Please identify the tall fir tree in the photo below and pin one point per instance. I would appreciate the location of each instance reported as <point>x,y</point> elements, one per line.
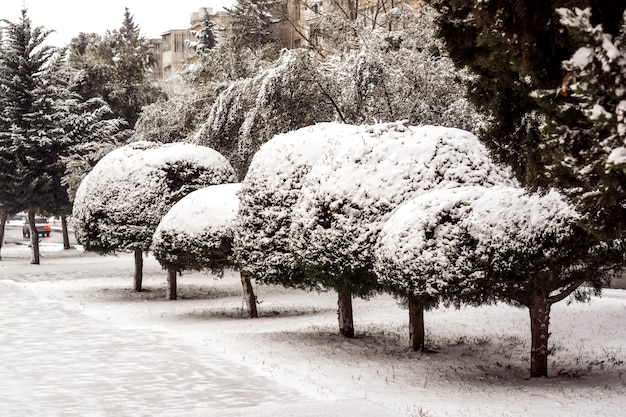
<point>31,137</point>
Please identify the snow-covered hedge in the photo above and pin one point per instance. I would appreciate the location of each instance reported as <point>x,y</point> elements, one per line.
<point>424,252</point>
<point>122,200</point>
<point>197,232</point>
<point>442,243</point>
<point>472,243</point>
<point>351,191</point>
<point>270,189</point>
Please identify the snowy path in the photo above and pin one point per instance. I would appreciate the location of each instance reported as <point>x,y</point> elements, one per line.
<point>97,367</point>
<point>58,360</point>
<point>75,340</point>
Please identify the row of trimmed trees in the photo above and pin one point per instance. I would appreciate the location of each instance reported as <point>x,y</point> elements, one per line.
<point>420,212</point>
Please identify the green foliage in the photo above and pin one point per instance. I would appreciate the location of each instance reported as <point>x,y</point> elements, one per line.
<point>516,51</point>
<point>34,108</point>
<point>116,68</point>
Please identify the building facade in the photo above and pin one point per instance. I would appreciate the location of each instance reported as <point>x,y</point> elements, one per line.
<point>294,26</point>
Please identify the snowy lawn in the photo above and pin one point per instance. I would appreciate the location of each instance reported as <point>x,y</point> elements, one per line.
<point>76,341</point>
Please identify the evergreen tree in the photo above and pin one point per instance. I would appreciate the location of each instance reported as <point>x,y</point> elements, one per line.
<point>587,129</point>
<point>206,37</point>
<point>516,51</point>
<point>32,139</point>
<point>117,69</point>
<point>250,21</point>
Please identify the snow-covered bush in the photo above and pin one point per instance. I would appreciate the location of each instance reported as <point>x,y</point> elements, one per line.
<point>351,191</point>
<point>197,232</point>
<point>119,204</point>
<point>476,243</point>
<point>270,189</point>
<point>425,255</point>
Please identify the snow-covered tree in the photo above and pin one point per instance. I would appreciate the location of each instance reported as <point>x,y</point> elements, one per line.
<point>120,203</point>
<point>251,111</point>
<point>525,249</point>
<point>249,22</point>
<point>352,189</point>
<point>116,68</point>
<point>515,51</point>
<point>588,133</point>
<point>205,37</point>
<point>197,234</point>
<point>178,118</point>
<point>270,190</point>
<point>425,256</point>
<point>357,87</point>
<point>34,95</point>
<point>94,133</point>
<point>373,84</point>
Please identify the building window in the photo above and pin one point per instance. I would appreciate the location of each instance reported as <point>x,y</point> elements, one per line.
<point>296,10</point>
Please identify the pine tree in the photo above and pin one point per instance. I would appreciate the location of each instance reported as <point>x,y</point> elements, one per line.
<point>206,36</point>
<point>31,137</point>
<point>587,130</point>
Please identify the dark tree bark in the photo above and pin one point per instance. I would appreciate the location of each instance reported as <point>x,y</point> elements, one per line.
<point>138,269</point>
<point>171,285</point>
<point>539,327</point>
<point>416,326</point>
<point>66,235</point>
<point>3,221</point>
<point>34,238</point>
<point>248,295</point>
<point>344,313</point>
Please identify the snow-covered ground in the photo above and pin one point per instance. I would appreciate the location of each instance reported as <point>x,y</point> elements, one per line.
<point>76,341</point>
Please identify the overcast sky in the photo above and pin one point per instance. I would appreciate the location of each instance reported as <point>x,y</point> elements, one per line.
<point>70,17</point>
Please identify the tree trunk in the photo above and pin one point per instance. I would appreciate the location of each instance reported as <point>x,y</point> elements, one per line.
<point>171,284</point>
<point>34,238</point>
<point>66,235</point>
<point>248,295</point>
<point>3,221</point>
<point>416,326</point>
<point>539,327</point>
<point>138,269</point>
<point>344,313</point>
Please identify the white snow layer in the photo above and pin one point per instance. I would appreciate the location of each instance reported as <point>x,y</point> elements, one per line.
<point>422,247</point>
<point>135,185</point>
<point>351,191</point>
<point>270,189</point>
<point>211,209</point>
